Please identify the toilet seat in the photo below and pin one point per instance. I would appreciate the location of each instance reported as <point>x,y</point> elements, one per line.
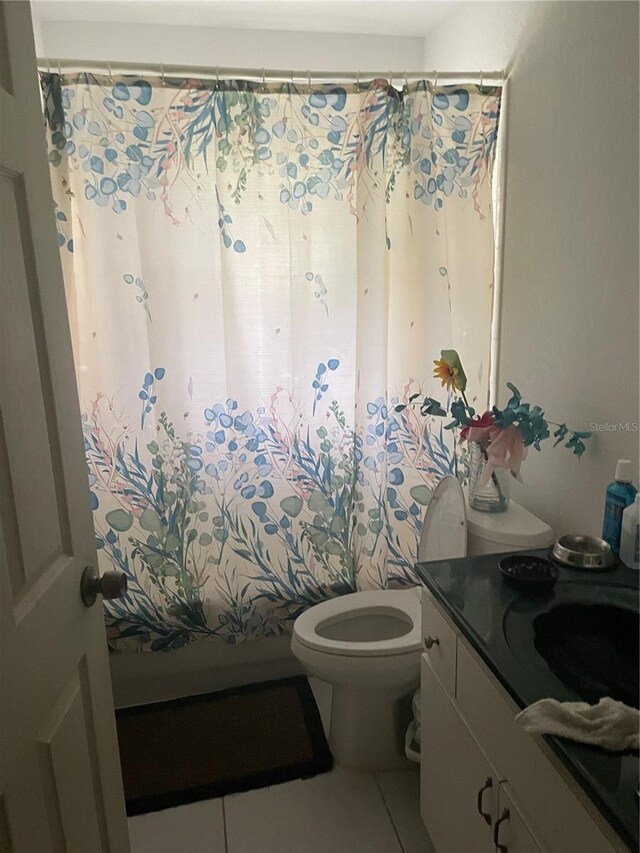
<point>401,605</point>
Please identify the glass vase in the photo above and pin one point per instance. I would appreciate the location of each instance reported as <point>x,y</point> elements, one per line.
<point>492,495</point>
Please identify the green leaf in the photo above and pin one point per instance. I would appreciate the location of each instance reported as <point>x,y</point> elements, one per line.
<point>337,524</point>
<point>421,494</point>
<point>514,402</point>
<point>150,520</point>
<point>292,505</point>
<point>119,519</point>
<point>432,407</point>
<point>453,360</point>
<point>154,560</point>
<point>171,543</point>
<point>318,537</point>
<point>317,501</point>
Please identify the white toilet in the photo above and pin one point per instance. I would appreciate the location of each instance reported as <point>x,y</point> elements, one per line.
<point>367,644</point>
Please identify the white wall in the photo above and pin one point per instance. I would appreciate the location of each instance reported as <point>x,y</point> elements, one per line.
<point>570,298</point>
<point>234,48</point>
<point>481,35</point>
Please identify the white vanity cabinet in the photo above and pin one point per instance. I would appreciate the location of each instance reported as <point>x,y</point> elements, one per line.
<point>486,785</point>
<point>455,775</point>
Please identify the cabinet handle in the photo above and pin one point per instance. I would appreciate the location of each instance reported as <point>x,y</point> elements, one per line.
<point>502,848</point>
<point>431,641</point>
<point>488,783</point>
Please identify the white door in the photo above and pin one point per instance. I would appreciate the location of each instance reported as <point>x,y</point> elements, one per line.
<point>60,782</point>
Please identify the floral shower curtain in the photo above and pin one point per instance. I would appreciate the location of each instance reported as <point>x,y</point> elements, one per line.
<point>256,275</point>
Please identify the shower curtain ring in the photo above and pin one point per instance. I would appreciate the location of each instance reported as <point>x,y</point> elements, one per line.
<point>481,78</point>
<point>406,80</point>
<point>263,80</point>
<point>110,73</point>
<point>59,69</point>
<point>308,82</point>
<point>162,75</point>
<point>435,79</point>
<point>217,77</point>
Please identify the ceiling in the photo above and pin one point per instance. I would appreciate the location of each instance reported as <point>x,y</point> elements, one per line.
<point>412,18</point>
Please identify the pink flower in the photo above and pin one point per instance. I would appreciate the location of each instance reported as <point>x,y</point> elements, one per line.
<point>503,448</point>
<point>483,422</point>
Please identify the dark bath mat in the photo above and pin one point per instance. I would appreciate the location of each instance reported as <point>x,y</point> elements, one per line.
<point>221,743</point>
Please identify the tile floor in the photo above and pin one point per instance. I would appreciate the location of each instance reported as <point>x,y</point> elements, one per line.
<point>338,812</point>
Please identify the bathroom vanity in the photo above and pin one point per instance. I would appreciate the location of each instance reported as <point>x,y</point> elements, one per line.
<point>486,784</point>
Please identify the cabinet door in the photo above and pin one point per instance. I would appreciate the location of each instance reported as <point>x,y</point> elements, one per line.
<point>511,833</point>
<point>440,642</point>
<point>457,782</point>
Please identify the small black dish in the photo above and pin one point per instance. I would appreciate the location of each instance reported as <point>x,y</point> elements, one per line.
<point>530,574</point>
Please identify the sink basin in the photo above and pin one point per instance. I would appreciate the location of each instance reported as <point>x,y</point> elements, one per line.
<point>592,648</point>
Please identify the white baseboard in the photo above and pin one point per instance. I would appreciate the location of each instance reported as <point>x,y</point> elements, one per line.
<point>142,677</point>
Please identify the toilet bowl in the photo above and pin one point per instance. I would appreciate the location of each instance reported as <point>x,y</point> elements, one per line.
<point>367,645</point>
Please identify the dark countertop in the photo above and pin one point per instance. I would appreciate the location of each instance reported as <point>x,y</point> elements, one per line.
<point>497,621</point>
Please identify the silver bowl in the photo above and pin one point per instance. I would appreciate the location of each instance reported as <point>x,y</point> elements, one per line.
<point>583,552</point>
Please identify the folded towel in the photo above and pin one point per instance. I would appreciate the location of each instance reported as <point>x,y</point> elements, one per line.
<point>610,724</point>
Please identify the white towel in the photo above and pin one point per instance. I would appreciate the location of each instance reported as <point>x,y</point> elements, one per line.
<point>610,724</point>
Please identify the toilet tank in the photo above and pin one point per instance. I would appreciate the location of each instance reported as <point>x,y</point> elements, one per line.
<point>517,529</point>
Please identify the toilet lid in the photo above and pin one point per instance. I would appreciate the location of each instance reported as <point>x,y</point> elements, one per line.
<point>444,532</point>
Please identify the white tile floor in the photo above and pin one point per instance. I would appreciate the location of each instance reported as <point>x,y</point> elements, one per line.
<point>338,812</point>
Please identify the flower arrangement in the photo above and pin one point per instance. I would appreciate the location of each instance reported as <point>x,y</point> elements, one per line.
<point>503,435</point>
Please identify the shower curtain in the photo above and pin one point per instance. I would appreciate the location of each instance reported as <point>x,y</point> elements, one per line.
<point>256,275</point>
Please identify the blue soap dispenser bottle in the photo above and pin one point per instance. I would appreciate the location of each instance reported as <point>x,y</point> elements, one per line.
<point>620,494</point>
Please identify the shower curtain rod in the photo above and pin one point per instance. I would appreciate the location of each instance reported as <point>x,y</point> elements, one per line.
<point>262,74</point>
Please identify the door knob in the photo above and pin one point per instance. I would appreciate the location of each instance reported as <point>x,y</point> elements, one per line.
<point>110,585</point>
<point>429,642</point>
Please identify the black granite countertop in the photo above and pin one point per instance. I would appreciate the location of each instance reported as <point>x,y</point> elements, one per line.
<point>497,620</point>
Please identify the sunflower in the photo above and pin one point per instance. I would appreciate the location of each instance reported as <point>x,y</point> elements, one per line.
<point>447,373</point>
